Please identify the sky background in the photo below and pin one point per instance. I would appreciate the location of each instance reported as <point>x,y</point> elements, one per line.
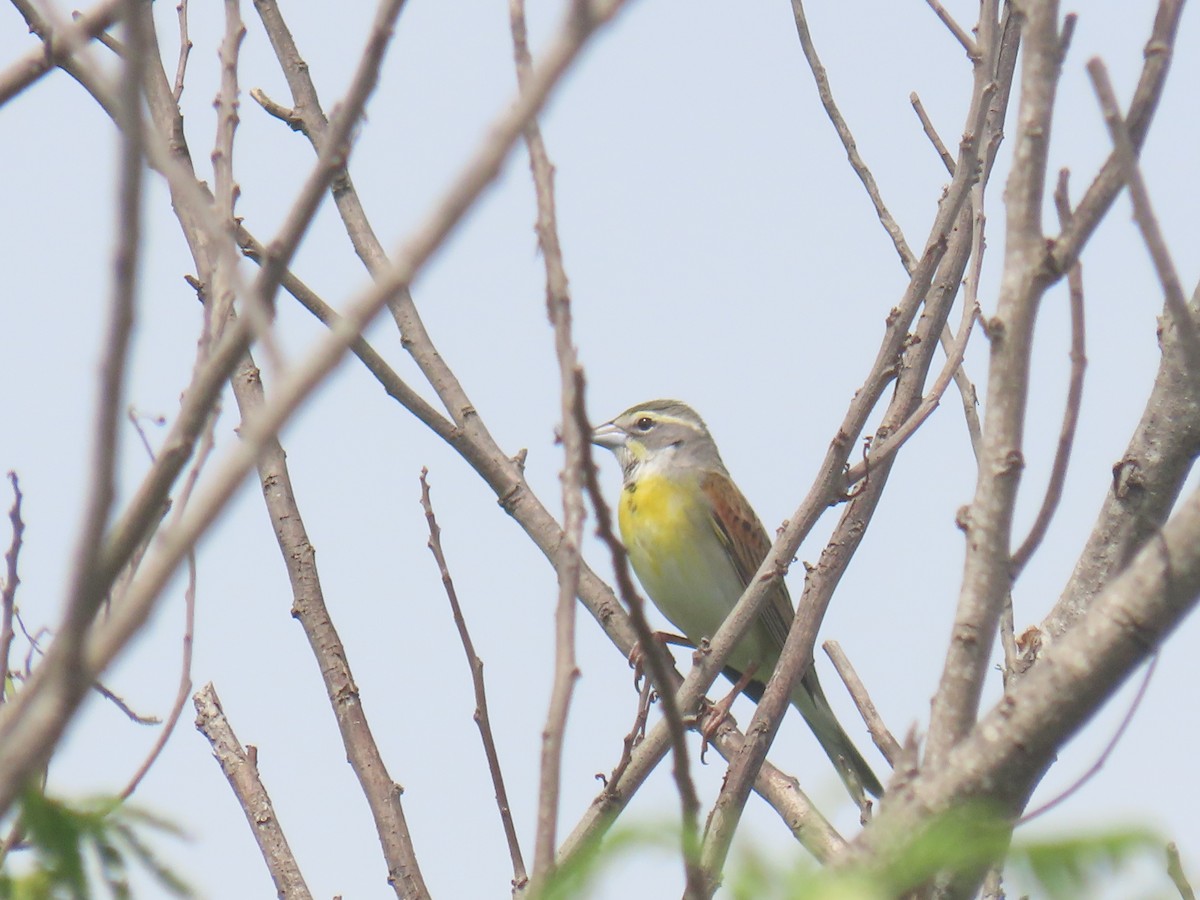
<point>721,251</point>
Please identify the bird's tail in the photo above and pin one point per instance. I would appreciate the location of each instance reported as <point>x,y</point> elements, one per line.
<point>851,767</point>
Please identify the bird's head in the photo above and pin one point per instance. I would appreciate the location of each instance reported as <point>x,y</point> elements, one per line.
<point>657,435</point>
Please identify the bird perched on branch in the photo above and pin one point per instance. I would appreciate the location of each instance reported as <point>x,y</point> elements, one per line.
<point>695,544</point>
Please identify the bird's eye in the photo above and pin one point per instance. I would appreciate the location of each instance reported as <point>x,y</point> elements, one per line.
<point>645,423</point>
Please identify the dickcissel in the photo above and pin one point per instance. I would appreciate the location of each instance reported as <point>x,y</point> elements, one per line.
<point>695,543</point>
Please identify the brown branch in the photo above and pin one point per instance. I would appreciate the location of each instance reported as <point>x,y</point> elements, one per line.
<point>185,49</point>
<point>284,114</point>
<point>467,434</point>
<point>823,579</point>
<point>392,383</point>
<point>57,46</point>
<point>658,665</point>
<point>931,133</point>
<point>848,142</point>
<point>895,439</point>
<point>308,607</point>
<point>482,716</point>
<point>8,593</point>
<point>1009,749</point>
<point>646,696</point>
<point>955,29</point>
<point>241,769</point>
<point>575,436</point>
<point>189,617</point>
<point>185,683</point>
<point>1026,277</point>
<point>810,829</point>
<point>1143,213</point>
<point>1066,436</point>
<point>88,585</point>
<point>880,734</point>
<point>44,706</point>
<point>1108,182</point>
<point>1151,472</point>
<point>130,713</point>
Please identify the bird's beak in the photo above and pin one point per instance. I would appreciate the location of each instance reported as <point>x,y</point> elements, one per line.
<point>610,436</point>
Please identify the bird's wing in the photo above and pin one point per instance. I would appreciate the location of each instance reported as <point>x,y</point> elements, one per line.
<point>747,543</point>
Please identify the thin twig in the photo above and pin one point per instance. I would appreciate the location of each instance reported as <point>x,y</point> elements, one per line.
<point>881,450</point>
<point>848,142</point>
<point>1099,196</point>
<point>220,271</point>
<point>57,45</point>
<point>1095,767</point>
<point>382,793</point>
<point>88,586</point>
<point>568,559</point>
<point>880,734</point>
<point>185,49</point>
<point>1143,214</point>
<point>828,485</point>
<point>283,113</point>
<point>185,683</point>
<point>931,133</point>
<point>658,665</point>
<point>8,592</point>
<point>989,522</point>
<point>132,714</point>
<point>392,383</point>
<point>241,770</point>
<point>1066,436</point>
<point>482,717</point>
<point>1008,640</point>
<point>957,30</point>
<point>47,692</point>
<point>823,579</point>
<point>646,696</point>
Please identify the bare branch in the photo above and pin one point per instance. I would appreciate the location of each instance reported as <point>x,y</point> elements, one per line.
<point>241,768</point>
<point>308,607</point>
<point>45,693</point>
<point>189,614</point>
<point>482,716</point>
<point>880,734</point>
<point>185,49</point>
<point>185,683</point>
<point>931,133</point>
<point>955,29</point>
<point>1108,182</point>
<point>288,116</point>
<point>1066,436</point>
<point>1008,750</point>
<point>1142,494</point>
<point>8,593</point>
<point>896,439</point>
<point>843,132</point>
<point>57,46</point>
<point>87,586</point>
<point>575,437</point>
<point>1143,214</point>
<point>1026,277</point>
<point>658,664</point>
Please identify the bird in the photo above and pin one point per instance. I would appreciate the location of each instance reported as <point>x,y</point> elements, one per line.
<point>695,543</point>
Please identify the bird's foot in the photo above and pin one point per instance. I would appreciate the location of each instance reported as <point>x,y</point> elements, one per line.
<point>637,656</point>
